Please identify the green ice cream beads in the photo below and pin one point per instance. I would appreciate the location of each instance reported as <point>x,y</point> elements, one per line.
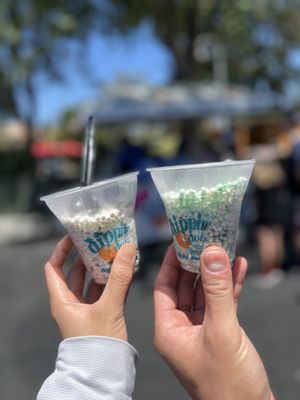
<point>217,207</point>
<point>189,200</point>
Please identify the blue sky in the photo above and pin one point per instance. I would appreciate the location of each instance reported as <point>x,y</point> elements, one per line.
<point>140,56</point>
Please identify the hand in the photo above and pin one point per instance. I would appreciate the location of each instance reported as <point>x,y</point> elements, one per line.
<point>101,311</point>
<point>197,331</point>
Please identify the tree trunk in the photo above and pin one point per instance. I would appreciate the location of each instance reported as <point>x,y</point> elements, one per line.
<point>31,111</point>
<point>29,124</point>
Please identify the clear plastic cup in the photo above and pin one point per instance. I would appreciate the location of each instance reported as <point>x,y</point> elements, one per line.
<point>203,204</point>
<point>100,219</point>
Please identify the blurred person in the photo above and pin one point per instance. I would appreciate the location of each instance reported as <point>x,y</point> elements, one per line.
<point>293,165</point>
<point>130,156</point>
<point>199,143</point>
<point>197,331</point>
<point>273,205</point>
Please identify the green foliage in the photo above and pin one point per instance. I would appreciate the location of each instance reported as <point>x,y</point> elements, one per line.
<point>33,37</point>
<point>256,34</point>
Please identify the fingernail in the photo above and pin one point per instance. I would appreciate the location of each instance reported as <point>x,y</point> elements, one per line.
<point>214,260</point>
<point>130,252</point>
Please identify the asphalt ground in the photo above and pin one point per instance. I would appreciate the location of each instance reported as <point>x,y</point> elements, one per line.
<point>29,340</point>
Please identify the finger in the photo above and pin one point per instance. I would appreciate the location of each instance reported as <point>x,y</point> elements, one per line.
<point>94,292</point>
<point>76,277</point>
<point>165,296</point>
<point>199,299</point>
<point>239,272</point>
<point>218,286</point>
<point>61,251</point>
<point>185,290</point>
<point>55,278</point>
<point>120,276</point>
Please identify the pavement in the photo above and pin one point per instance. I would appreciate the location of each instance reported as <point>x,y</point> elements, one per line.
<point>22,227</point>
<point>29,340</point>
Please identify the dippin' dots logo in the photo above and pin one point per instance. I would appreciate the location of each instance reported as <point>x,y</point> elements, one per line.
<point>188,224</point>
<point>107,240</point>
<point>188,231</point>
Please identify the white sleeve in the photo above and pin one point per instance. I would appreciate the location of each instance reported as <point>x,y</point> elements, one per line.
<point>90,368</point>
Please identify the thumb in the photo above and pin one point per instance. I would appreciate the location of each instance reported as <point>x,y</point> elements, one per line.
<point>217,284</point>
<point>120,276</point>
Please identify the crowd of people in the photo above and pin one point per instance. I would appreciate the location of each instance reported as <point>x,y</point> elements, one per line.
<point>275,194</point>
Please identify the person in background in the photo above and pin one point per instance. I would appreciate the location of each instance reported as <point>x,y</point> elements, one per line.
<point>293,174</point>
<point>196,330</point>
<point>273,204</point>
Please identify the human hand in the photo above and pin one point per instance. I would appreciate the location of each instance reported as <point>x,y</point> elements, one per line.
<point>101,311</point>
<point>197,331</point>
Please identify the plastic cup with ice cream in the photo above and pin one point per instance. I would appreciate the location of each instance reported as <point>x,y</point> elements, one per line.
<point>99,218</point>
<point>203,204</point>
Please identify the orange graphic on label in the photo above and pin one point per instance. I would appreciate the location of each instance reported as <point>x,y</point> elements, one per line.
<point>183,240</point>
<point>108,253</point>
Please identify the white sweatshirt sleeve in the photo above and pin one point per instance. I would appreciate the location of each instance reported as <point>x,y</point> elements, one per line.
<point>90,368</point>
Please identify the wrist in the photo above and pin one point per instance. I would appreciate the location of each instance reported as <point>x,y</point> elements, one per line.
<point>197,394</point>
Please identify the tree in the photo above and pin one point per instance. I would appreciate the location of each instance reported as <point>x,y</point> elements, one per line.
<point>256,34</point>
<point>34,37</point>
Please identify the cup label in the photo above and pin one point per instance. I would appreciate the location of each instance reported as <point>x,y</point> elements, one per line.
<point>100,240</point>
<point>188,224</point>
<point>106,244</point>
<point>189,234</point>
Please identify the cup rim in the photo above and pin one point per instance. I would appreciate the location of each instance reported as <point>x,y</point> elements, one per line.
<point>203,165</point>
<point>79,189</point>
